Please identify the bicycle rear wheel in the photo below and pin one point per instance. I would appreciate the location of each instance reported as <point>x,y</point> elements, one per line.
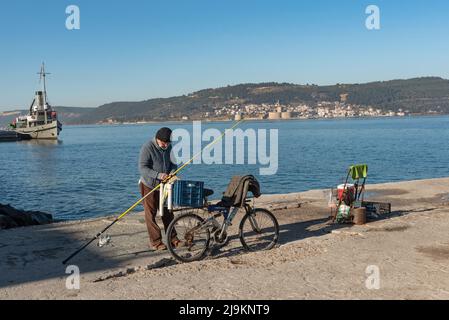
<point>194,237</point>
<point>259,230</point>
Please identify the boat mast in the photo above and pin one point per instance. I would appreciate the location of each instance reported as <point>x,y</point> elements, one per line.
<point>43,74</point>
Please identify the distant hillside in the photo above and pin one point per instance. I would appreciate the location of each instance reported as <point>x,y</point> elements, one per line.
<point>72,114</point>
<point>417,95</point>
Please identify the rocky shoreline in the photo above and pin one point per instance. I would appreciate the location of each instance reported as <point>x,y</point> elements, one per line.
<point>14,218</point>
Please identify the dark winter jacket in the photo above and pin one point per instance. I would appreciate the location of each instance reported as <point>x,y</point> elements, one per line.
<point>237,191</point>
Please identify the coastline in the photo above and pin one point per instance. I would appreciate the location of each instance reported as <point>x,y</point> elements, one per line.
<point>258,120</point>
<point>168,122</point>
<point>411,245</point>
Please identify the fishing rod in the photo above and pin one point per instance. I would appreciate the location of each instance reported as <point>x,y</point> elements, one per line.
<point>152,191</point>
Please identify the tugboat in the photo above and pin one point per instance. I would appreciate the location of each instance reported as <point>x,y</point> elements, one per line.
<point>41,121</point>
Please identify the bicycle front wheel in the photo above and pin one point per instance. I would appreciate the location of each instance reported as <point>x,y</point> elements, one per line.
<point>194,237</point>
<point>259,230</point>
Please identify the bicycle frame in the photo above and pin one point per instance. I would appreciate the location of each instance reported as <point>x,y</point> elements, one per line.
<point>213,224</point>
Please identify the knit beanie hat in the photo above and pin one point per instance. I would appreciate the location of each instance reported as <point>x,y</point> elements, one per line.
<point>164,134</point>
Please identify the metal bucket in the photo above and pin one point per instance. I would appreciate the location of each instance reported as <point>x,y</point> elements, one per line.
<point>359,216</point>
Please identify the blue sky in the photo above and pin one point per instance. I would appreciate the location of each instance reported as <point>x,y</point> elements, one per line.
<point>140,49</point>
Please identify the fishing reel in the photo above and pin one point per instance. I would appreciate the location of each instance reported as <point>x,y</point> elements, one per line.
<point>104,241</point>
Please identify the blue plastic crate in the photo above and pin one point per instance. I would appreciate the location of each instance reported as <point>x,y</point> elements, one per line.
<point>188,194</point>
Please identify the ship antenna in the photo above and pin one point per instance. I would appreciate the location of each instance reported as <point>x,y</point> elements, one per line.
<point>42,75</point>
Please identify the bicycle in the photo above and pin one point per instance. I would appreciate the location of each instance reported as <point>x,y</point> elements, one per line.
<point>258,230</point>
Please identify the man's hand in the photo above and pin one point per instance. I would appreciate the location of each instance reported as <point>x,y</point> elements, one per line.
<point>163,176</point>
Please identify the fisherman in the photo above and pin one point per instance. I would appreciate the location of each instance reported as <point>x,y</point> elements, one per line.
<point>155,166</point>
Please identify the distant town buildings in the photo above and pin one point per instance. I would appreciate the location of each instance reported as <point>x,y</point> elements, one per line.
<point>278,111</point>
<point>322,109</point>
<point>344,97</point>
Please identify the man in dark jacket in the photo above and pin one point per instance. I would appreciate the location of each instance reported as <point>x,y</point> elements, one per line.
<point>155,165</point>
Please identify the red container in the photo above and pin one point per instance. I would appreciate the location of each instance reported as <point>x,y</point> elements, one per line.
<point>350,189</point>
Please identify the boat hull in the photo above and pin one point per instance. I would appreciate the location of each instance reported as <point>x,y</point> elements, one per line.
<point>48,131</point>
<point>8,135</point>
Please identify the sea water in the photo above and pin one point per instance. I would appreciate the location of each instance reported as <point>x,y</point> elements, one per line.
<point>92,170</point>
